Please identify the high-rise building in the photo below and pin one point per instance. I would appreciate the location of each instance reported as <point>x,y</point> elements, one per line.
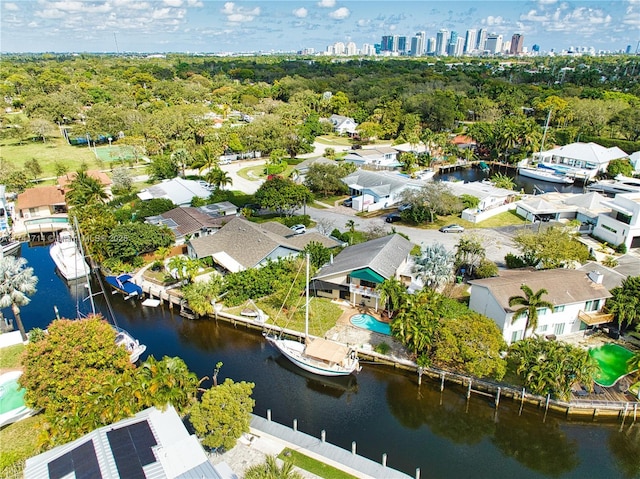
<point>482,40</point>
<point>451,44</point>
<point>418,44</point>
<point>493,43</point>
<point>470,41</point>
<point>351,49</point>
<point>459,49</point>
<point>387,43</point>
<point>442,38</point>
<point>338,48</point>
<point>431,46</point>
<point>401,45</point>
<point>368,49</point>
<point>517,42</point>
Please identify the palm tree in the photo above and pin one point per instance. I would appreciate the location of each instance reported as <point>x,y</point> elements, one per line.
<point>434,266</point>
<point>218,178</point>
<point>392,294</point>
<point>84,190</point>
<point>271,470</point>
<point>16,283</point>
<point>531,302</point>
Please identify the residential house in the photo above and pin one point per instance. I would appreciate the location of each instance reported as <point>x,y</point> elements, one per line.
<point>621,225</point>
<point>178,190</point>
<point>357,270</point>
<point>583,160</point>
<point>241,244</point>
<point>556,206</point>
<point>374,190</point>
<point>489,196</point>
<point>611,278</point>
<point>153,443</point>
<point>103,178</point>
<point>189,222</point>
<point>41,202</point>
<point>343,125</point>
<point>634,158</point>
<point>578,298</point>
<point>381,157</point>
<point>301,169</point>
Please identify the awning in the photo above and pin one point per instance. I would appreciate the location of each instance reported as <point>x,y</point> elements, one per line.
<point>325,350</point>
<point>368,275</point>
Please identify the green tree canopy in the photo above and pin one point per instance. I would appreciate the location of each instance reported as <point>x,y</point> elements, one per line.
<point>129,240</point>
<point>553,247</point>
<point>624,303</point>
<point>282,195</point>
<point>326,179</point>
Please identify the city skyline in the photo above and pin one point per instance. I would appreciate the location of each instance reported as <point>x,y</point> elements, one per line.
<point>215,26</point>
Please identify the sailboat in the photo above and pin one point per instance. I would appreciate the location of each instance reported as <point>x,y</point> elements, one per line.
<point>316,355</point>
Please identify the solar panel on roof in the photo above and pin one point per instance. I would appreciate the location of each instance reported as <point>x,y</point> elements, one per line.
<point>131,448</point>
<point>82,461</point>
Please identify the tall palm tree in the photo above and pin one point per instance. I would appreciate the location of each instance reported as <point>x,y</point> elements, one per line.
<point>531,302</point>
<point>17,283</point>
<point>218,178</point>
<point>84,190</point>
<point>392,294</point>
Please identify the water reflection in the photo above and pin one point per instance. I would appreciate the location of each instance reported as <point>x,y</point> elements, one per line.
<point>624,444</point>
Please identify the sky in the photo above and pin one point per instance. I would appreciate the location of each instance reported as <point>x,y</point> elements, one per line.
<point>218,26</point>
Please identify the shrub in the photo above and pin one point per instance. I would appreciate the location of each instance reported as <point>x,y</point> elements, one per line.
<point>486,269</point>
<point>382,348</point>
<point>621,248</point>
<point>294,220</point>
<point>514,262</point>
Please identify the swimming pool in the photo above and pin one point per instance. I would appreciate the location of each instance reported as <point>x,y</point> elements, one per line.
<point>612,361</point>
<point>12,406</point>
<point>366,321</point>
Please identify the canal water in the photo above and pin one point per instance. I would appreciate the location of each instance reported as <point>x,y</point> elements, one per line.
<point>382,410</point>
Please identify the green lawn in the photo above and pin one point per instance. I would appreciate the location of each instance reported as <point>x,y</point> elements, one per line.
<point>19,442</point>
<point>508,218</point>
<point>10,356</point>
<point>312,465</point>
<point>333,140</point>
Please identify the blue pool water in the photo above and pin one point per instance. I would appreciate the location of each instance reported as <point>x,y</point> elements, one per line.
<point>366,321</point>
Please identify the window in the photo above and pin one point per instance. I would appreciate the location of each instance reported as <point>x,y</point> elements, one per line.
<point>622,218</point>
<point>515,336</point>
<point>558,309</point>
<point>592,305</point>
<point>558,329</point>
<point>609,228</point>
<point>368,284</point>
<point>542,311</point>
<point>541,329</point>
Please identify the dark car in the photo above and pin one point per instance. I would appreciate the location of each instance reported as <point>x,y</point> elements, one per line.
<point>348,202</point>
<point>393,217</point>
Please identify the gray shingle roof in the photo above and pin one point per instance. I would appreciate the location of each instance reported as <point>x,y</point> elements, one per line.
<point>383,255</point>
<point>189,219</point>
<point>564,286</point>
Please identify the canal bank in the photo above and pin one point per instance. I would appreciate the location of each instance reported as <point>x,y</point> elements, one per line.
<point>382,409</point>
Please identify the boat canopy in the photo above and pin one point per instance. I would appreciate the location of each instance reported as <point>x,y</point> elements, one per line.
<point>325,350</point>
<point>367,274</point>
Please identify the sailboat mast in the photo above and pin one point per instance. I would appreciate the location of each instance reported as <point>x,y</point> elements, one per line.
<point>306,304</point>
<point>546,127</point>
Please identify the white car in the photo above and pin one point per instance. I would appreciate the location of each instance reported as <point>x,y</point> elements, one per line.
<point>299,229</point>
<point>452,229</point>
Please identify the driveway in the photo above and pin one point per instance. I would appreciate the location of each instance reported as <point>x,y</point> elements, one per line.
<point>240,183</point>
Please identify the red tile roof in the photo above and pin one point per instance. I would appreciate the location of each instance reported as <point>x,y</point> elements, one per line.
<point>40,196</point>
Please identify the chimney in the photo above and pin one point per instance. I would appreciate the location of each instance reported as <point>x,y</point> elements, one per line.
<point>596,277</point>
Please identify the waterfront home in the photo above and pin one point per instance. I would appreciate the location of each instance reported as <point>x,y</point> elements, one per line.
<point>490,198</point>
<point>189,222</point>
<point>178,190</point>
<point>241,244</point>
<point>583,160</point>
<point>357,270</point>
<point>620,225</point>
<point>153,443</point>
<point>301,169</point>
<point>578,298</point>
<point>379,157</point>
<point>375,190</point>
<point>556,206</point>
<point>41,202</point>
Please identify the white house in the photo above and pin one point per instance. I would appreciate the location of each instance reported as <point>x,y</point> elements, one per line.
<point>582,159</point>
<point>375,190</point>
<point>383,157</point>
<point>622,224</point>
<point>577,296</point>
<point>178,190</point>
<point>490,196</point>
<point>343,125</point>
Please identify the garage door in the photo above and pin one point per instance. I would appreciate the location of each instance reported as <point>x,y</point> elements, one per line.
<point>635,242</point>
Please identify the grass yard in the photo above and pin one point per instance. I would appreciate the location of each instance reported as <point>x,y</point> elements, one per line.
<point>19,442</point>
<point>312,465</point>
<point>508,218</point>
<point>10,356</point>
<point>330,140</point>
<point>55,150</point>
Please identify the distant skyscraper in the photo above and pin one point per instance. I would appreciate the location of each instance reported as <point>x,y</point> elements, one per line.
<point>368,49</point>
<point>401,45</point>
<point>470,41</point>
<point>451,44</point>
<point>517,42</point>
<point>482,40</point>
<point>418,44</point>
<point>442,38</point>
<point>459,49</point>
<point>338,48</point>
<point>387,43</point>
<point>535,48</point>
<point>351,49</point>
<point>493,43</point>
<point>431,46</point>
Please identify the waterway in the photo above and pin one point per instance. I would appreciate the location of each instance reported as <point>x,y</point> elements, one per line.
<point>382,410</point>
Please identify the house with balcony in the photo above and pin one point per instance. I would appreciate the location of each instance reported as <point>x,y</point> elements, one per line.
<point>354,274</point>
<point>188,222</point>
<point>578,298</point>
<point>620,225</point>
<point>580,160</point>
<point>375,190</point>
<point>379,157</point>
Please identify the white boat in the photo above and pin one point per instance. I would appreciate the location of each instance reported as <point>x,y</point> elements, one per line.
<point>67,257</point>
<point>8,246</point>
<point>621,184</point>
<point>133,346</point>
<point>317,355</point>
<point>544,175</point>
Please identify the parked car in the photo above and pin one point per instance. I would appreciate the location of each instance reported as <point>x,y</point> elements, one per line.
<point>404,207</point>
<point>348,202</point>
<point>299,229</point>
<point>452,229</point>
<point>392,218</point>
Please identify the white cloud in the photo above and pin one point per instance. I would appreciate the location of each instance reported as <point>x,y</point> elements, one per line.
<point>492,21</point>
<point>583,20</point>
<point>12,7</point>
<point>300,12</point>
<point>340,14</point>
<point>236,14</point>
<point>173,3</point>
<point>327,3</point>
<point>547,2</point>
